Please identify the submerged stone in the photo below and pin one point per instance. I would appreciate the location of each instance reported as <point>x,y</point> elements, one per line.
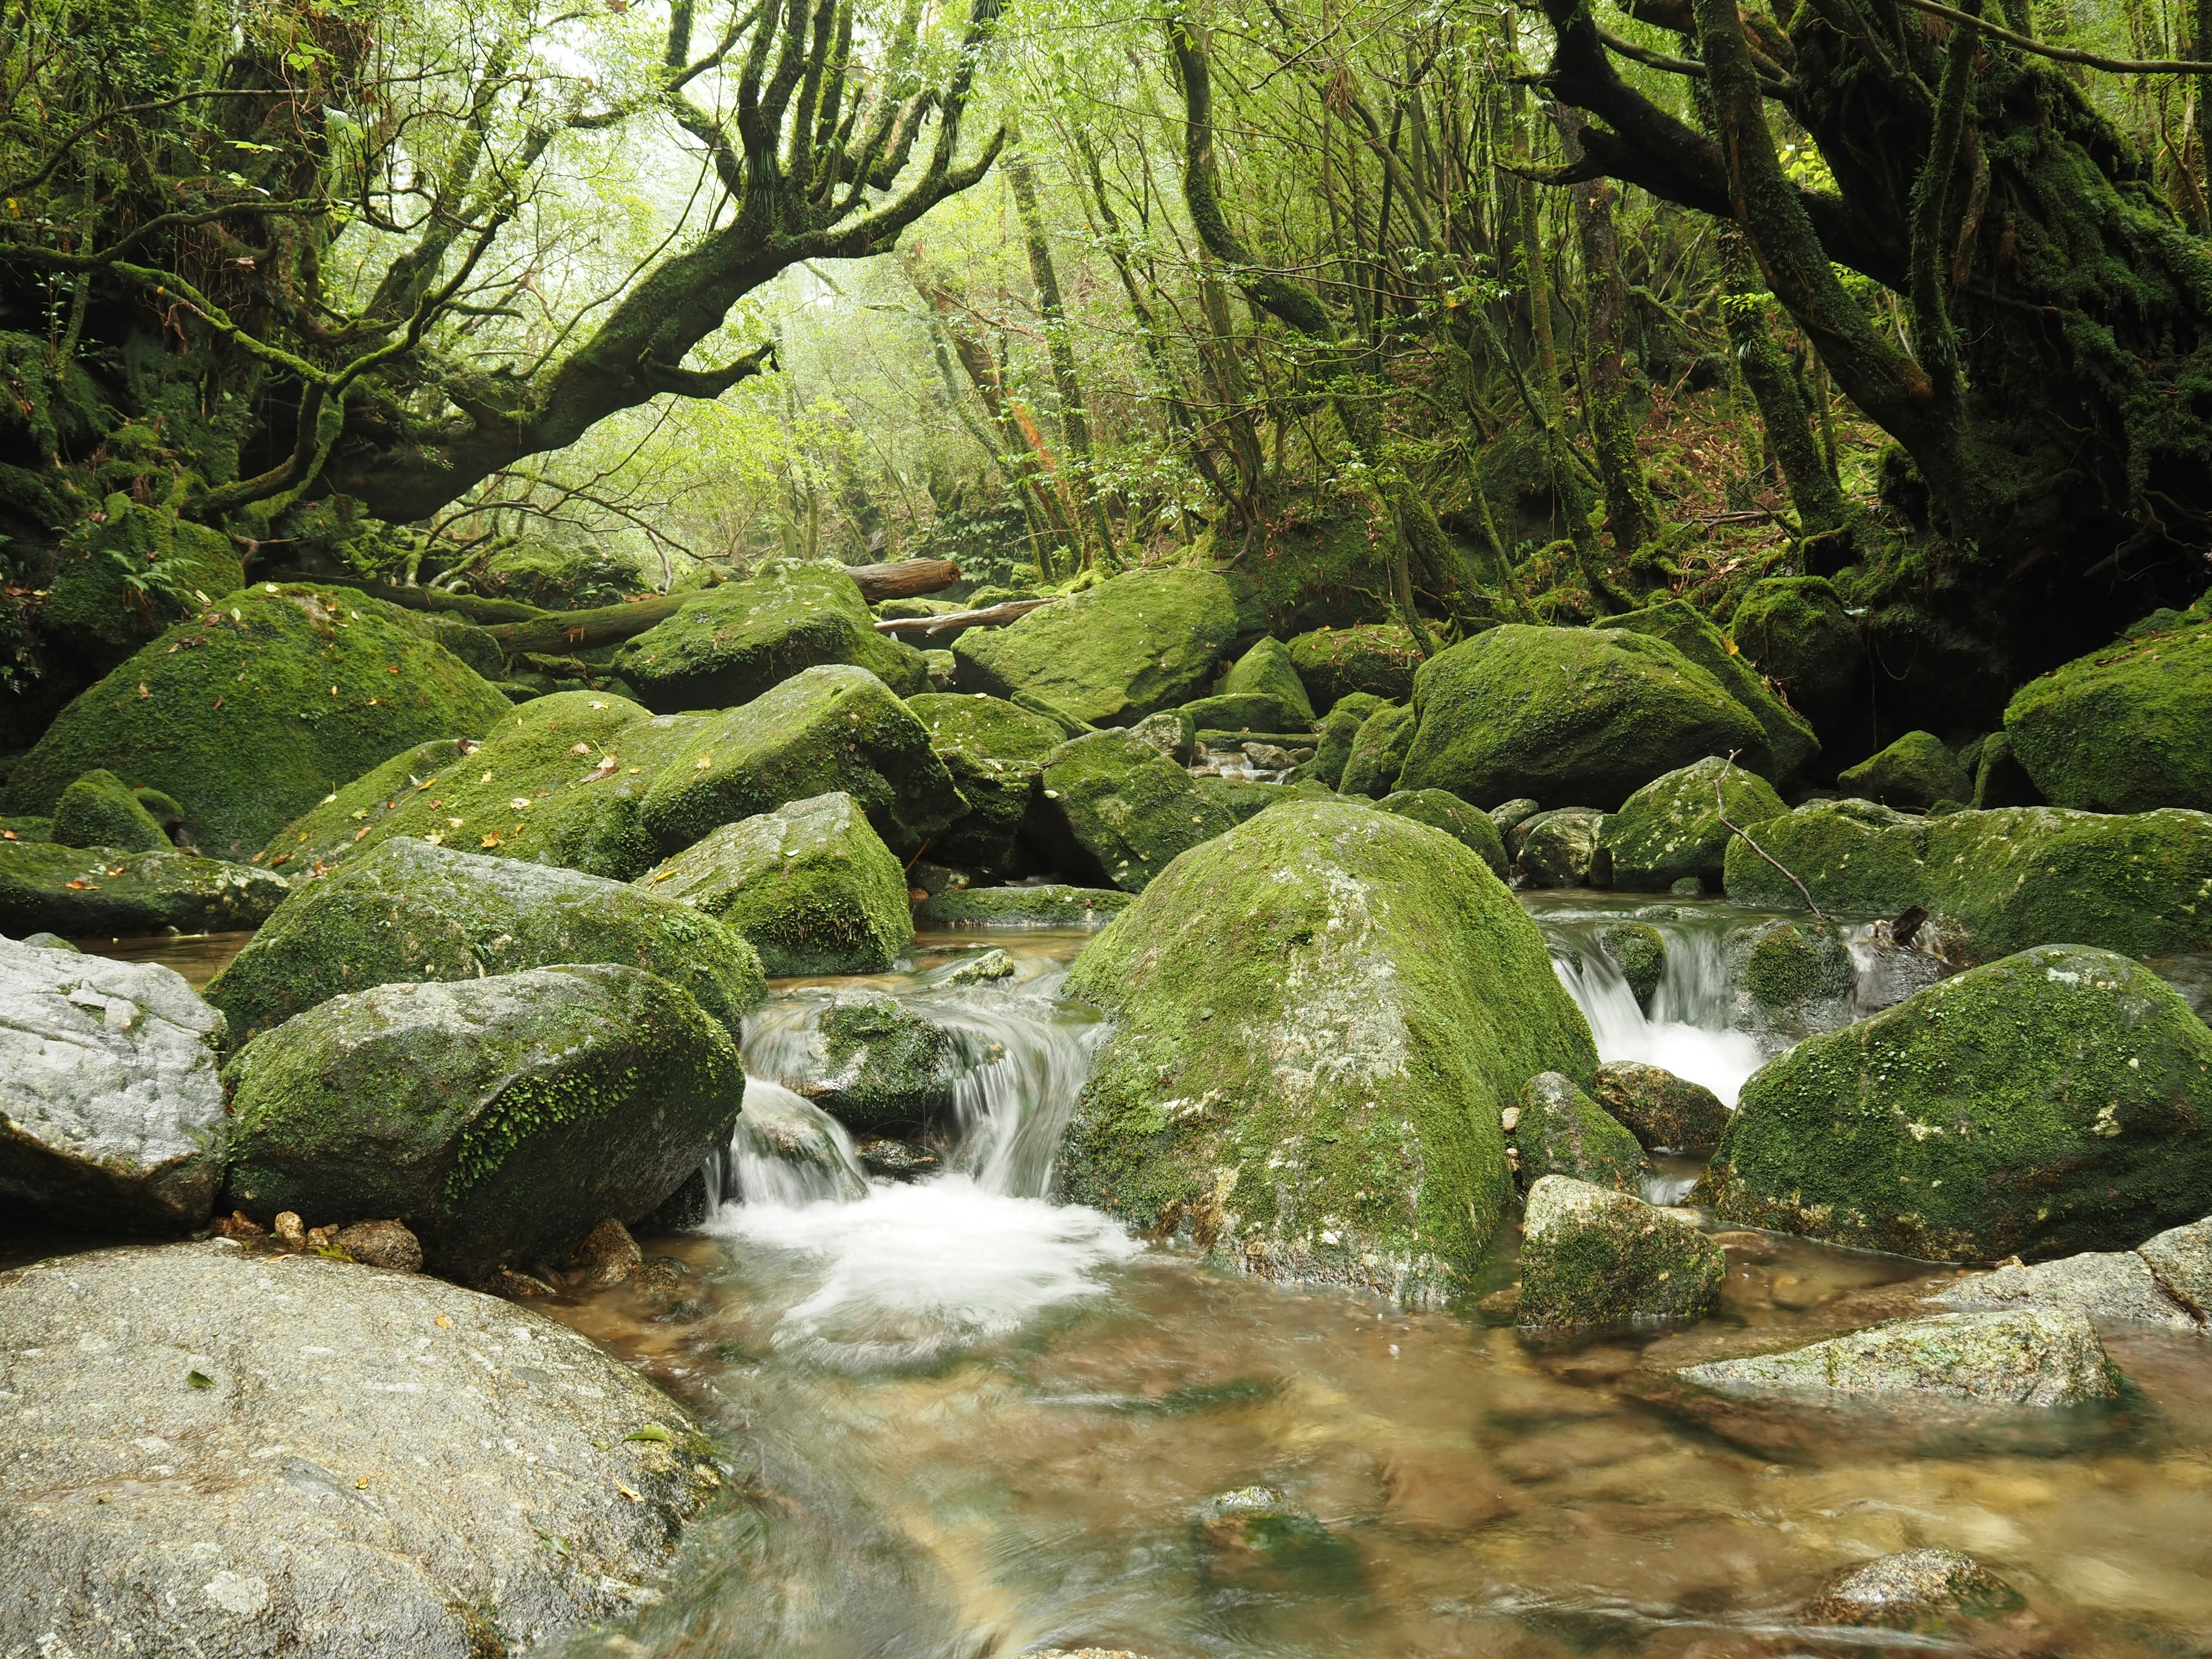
<point>1921,1589</point>
<point>1591,1256</point>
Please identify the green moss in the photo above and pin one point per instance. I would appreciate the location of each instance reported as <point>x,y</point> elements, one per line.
<point>1790,741</point>
<point>98,809</point>
<point>1378,659</point>
<point>2053,1102</point>
<point>828,728</point>
<point>1573,716</point>
<point>1659,1109</point>
<point>99,892</point>
<point>1135,643</point>
<point>1379,753</point>
<point>256,708</point>
<point>811,886</point>
<point>1244,712</point>
<point>889,1070</point>
<point>1995,882</point>
<point>2123,730</point>
<point>1311,568</point>
<point>735,641</point>
<point>1557,848</point>
<point>1640,951</point>
<point>1915,771</point>
<point>1471,829</point>
<point>1118,811</point>
<point>123,576</point>
<point>558,578</point>
<point>1791,964</point>
<point>1318,1019</point>
<point>986,726</point>
<point>1594,1258</point>
<point>1333,743</point>
<point>1048,904</point>
<point>1671,828</point>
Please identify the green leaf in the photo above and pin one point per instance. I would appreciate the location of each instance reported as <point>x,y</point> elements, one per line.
<point>651,1431</point>
<point>199,1379</point>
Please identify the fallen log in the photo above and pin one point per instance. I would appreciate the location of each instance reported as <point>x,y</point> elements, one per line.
<point>991,615</point>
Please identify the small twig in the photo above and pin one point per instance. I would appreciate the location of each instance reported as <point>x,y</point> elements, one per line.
<point>1720,805</point>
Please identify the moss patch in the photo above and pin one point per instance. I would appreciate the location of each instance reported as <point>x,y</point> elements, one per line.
<point>1789,740</point>
<point>1591,1257</point>
<point>986,726</point>
<point>1378,659</point>
<point>1471,829</point>
<point>82,893</point>
<point>1379,753</point>
<point>1916,771</point>
<point>98,809</point>
<point>1048,904</point>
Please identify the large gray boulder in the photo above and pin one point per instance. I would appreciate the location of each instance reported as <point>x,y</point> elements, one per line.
<point>223,1453</point>
<point>501,1119</point>
<point>413,911</point>
<point>112,1116</point>
<point>2110,1286</point>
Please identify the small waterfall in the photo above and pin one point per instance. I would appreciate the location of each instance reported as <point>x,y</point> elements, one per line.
<point>787,1150</point>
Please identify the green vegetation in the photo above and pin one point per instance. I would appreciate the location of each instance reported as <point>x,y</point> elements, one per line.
<point>98,809</point>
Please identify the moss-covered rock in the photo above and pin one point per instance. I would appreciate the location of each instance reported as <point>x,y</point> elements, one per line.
<point>501,1119</point>
<point>985,726</point>
<point>830,728</point>
<point>412,911</point>
<point>474,645</point>
<point>1671,828</point>
<point>1915,771</point>
<point>2054,1101</point>
<point>100,810</point>
<point>1046,904</point>
<point>127,572</point>
<point>1440,810</point>
<point>1999,778</point>
<point>1172,732</point>
<point>1319,1017</point>
<point>1594,1257</point>
<point>1994,882</point>
<point>2125,729</point>
<point>1376,657</point>
<point>1570,715</point>
<point>26,827</point>
<point>1640,951</point>
<point>561,780</point>
<point>1138,642</point>
<point>1557,848</point>
<point>811,886</point>
<point>1242,712</point>
<point>1791,977</point>
<point>1332,740</point>
<point>1662,1110</point>
<point>994,750</point>
<point>559,576</point>
<point>1790,742</point>
<point>1116,812</point>
<point>1267,671</point>
<point>735,641</point>
<point>1379,753</point>
<point>96,892</point>
<point>1242,798</point>
<point>1796,631</point>
<point>885,1069</point>
<point>253,710</point>
<point>1560,1131</point>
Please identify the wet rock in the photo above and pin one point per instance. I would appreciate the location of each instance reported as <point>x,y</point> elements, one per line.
<point>788,1150</point>
<point>2055,1102</point>
<point>811,886</point>
<point>1118,811</point>
<point>1557,846</point>
<point>991,967</point>
<point>885,1069</point>
<point>1592,1256</point>
<point>1914,1590</point>
<point>999,794</point>
<point>219,724</point>
<point>1255,1536</point>
<point>1134,644</point>
<point>1376,657</point>
<point>1468,826</point>
<point>2125,729</point>
<point>502,1117</point>
<point>736,640</point>
<point>1994,882</point>
<point>96,892</point>
<point>49,942</point>
<point>388,1244</point>
<point>1796,631</point>
<point>895,1160</point>
<point>2181,1257</point>
<point>1790,742</point>
<point>1318,1019</point>
<point>1172,732</point>
<point>1915,771</point>
<point>1661,1109</point>
<point>233,1455</point>
<point>1379,753</point>
<point>1510,816</point>
<point>1334,738</point>
<point>2111,1285</point>
<point>1561,1131</point>
<point>1790,979</point>
<point>1640,951</point>
<point>1267,670</point>
<point>606,1255</point>
<point>410,911</point>
<point>1568,714</point>
<point>100,810</point>
<point>1671,828</point>
<point>833,727</point>
<point>2020,1358</point>
<point>1048,904</point>
<point>111,1119</point>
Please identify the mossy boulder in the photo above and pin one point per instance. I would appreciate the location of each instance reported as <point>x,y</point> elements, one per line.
<point>833,727</point>
<point>985,725</point>
<point>1332,740</point>
<point>1994,882</point>
<point>1379,753</point>
<point>96,892</point>
<point>100,810</point>
<point>1999,778</point>
<point>1172,732</point>
<point>1242,712</point>
<point>1376,657</point>
<point>1915,771</point>
<point>1000,793</point>
<point>811,886</point>
<point>1557,848</point>
<point>129,570</point>
<point>1244,798</point>
<point>1640,951</point>
<point>2054,1101</point>
<point>1045,905</point>
<point>501,1119</point>
<point>412,911</point>
<point>1570,715</point>
<point>2126,729</point>
<point>1591,1256</point>
<point>1440,810</point>
<point>476,646</point>
<point>1790,978</point>
<point>1662,1110</point>
<point>1671,828</point>
<point>1797,632</point>
<point>557,576</point>
<point>1790,742</point>
<point>1560,1131</point>
<point>251,711</point>
<point>1116,812</point>
<point>735,641</point>
<point>1319,1017</point>
<point>1267,671</point>
<point>884,1070</point>
<point>1138,642</point>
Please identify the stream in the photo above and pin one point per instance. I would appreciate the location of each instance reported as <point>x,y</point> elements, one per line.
<point>970,1421</point>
